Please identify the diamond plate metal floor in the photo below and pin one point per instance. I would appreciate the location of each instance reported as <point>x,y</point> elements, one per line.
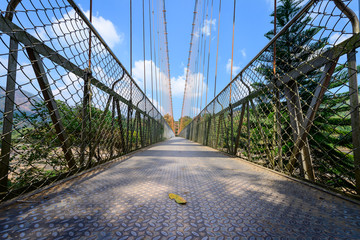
<point>227,199</point>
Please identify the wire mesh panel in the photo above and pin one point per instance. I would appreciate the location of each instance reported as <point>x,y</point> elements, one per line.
<point>301,118</point>
<point>64,108</point>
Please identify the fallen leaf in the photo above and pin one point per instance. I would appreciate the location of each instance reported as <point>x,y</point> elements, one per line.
<point>177,198</point>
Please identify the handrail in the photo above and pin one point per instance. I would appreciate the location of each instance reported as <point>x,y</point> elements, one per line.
<point>11,8</point>
<point>303,120</point>
<point>91,26</point>
<point>345,9</point>
<point>95,135</point>
<point>350,14</point>
<point>271,42</point>
<point>59,59</point>
<point>14,3</point>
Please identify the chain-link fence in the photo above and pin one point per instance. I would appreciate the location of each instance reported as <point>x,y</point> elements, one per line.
<point>301,119</point>
<point>62,111</point>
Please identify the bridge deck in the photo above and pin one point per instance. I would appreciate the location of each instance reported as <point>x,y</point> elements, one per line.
<point>226,197</point>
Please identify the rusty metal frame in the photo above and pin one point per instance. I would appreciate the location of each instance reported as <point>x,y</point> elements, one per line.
<point>37,50</point>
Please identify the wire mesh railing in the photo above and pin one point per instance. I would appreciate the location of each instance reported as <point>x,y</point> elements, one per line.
<point>303,119</point>
<point>62,112</point>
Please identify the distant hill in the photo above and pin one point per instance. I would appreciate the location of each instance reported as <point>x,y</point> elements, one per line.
<point>23,100</point>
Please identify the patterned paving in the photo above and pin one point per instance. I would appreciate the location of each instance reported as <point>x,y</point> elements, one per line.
<point>227,199</point>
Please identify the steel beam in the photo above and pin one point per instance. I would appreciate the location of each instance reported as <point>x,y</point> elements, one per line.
<point>11,29</point>
<point>310,115</point>
<point>355,115</point>
<point>8,115</point>
<point>239,128</point>
<point>50,103</point>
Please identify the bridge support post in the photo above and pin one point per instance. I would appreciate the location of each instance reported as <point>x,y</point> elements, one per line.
<point>8,115</point>
<point>136,124</point>
<point>301,140</point>
<point>231,143</point>
<point>113,137</point>
<point>355,115</point>
<point>239,128</point>
<point>227,143</point>
<point>277,128</point>
<point>296,122</point>
<point>85,133</point>
<point>144,137</point>
<point>50,102</point>
<point>248,130</point>
<point>218,130</point>
<point>208,128</point>
<point>267,150</point>
<point>129,128</point>
<point>149,130</point>
<point>139,132</point>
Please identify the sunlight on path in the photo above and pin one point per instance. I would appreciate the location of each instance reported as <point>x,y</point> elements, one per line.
<point>226,197</point>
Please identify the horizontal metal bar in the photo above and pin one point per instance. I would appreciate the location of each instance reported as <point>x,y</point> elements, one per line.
<point>281,32</point>
<point>348,12</point>
<point>97,34</point>
<point>271,42</point>
<point>11,29</point>
<point>333,53</point>
<point>92,28</point>
<point>51,104</point>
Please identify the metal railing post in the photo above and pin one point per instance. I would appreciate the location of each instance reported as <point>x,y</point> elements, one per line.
<point>353,92</point>
<point>8,115</point>
<point>355,115</point>
<point>9,103</point>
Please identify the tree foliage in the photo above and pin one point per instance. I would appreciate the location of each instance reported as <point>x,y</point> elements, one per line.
<point>330,135</point>
<point>184,121</point>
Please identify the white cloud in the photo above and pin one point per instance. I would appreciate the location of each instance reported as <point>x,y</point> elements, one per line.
<point>337,38</point>
<point>196,110</point>
<point>69,28</point>
<point>69,89</point>
<point>270,3</point>
<point>178,85</point>
<point>243,52</point>
<point>41,32</point>
<point>138,76</point>
<point>24,74</point>
<point>107,30</point>
<point>236,68</point>
<point>196,36</point>
<point>207,25</point>
<point>138,73</point>
<point>193,90</point>
<point>3,65</point>
<point>196,87</point>
<point>160,108</point>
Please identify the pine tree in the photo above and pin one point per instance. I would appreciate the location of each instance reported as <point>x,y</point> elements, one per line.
<point>330,135</point>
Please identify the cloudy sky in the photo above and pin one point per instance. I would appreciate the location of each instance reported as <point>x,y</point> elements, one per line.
<point>111,19</point>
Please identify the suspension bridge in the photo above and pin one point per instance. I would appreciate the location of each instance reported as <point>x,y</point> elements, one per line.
<point>88,153</point>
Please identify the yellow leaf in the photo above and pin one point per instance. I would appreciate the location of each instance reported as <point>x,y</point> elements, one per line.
<point>177,198</point>
<point>171,195</point>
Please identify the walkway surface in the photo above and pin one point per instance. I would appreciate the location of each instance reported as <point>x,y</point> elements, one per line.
<point>227,199</point>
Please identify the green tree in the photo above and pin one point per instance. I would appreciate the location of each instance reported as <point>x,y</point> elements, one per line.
<point>169,119</point>
<point>184,121</point>
<point>330,137</point>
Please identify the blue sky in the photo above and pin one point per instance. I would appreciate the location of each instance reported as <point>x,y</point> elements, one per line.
<point>111,18</point>
<point>252,21</point>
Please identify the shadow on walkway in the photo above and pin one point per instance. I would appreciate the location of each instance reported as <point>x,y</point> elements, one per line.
<point>226,198</point>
